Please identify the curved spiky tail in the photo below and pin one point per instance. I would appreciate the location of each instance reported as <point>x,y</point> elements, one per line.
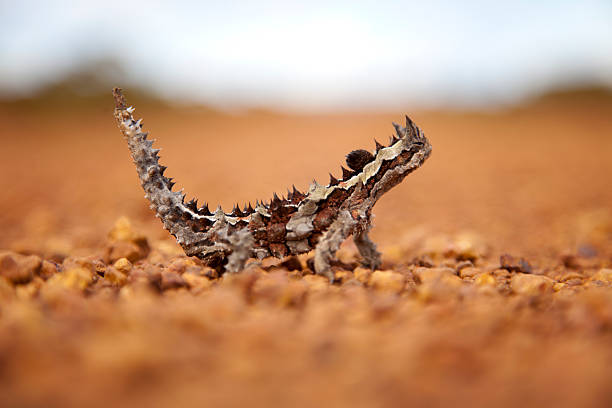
<point>169,205</point>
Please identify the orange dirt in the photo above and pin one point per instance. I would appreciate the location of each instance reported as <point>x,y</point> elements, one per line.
<point>99,307</point>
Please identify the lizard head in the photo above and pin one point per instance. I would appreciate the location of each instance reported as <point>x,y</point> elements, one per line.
<point>388,165</point>
<point>410,143</point>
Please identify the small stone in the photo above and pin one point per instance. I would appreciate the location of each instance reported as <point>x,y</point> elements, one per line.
<point>463,264</point>
<point>362,274</point>
<point>504,288</point>
<point>19,269</point>
<point>594,284</point>
<point>126,249</point>
<point>26,292</point>
<point>211,273</point>
<point>31,263</point>
<point>387,281</point>
<point>558,286</point>
<point>468,246</point>
<point>316,282</point>
<point>74,279</point>
<point>181,264</point>
<point>295,274</point>
<point>501,274</point>
<point>269,287</point>
<point>452,281</point>
<point>604,275</point>
<point>432,274</point>
<point>445,286</point>
<point>485,279</point>
<point>587,251</point>
<point>448,263</point>
<point>125,243</point>
<point>171,280</point>
<point>114,276</point>
<point>469,272</point>
<point>122,230</point>
<point>342,275</point>
<point>48,269</point>
<point>513,264</point>
<point>570,261</point>
<point>123,265</point>
<point>293,294</point>
<point>424,261</point>
<point>527,284</point>
<point>58,248</point>
<point>197,283</point>
<point>488,290</point>
<point>92,263</point>
<point>352,282</point>
<point>292,263</point>
<point>464,246</point>
<point>571,276</point>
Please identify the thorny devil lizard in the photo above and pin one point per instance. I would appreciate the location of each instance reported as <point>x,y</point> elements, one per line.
<point>320,219</point>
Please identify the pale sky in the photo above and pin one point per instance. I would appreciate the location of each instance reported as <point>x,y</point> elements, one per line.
<point>315,54</point>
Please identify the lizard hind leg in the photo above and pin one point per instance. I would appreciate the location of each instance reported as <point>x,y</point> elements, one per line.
<point>329,243</point>
<point>367,249</point>
<point>241,243</point>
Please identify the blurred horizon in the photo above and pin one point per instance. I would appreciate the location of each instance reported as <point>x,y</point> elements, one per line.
<point>89,87</point>
<point>316,57</point>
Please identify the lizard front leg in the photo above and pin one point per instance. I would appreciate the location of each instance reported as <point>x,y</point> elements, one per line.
<point>331,240</point>
<point>367,249</point>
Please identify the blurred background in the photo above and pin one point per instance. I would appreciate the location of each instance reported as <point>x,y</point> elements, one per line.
<point>315,56</point>
<point>249,97</point>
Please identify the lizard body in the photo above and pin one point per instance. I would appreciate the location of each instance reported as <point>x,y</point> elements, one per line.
<point>320,219</point>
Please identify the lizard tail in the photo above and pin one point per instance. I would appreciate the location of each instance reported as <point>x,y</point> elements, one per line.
<point>183,220</point>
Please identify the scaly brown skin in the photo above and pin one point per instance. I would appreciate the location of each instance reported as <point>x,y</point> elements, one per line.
<point>320,219</point>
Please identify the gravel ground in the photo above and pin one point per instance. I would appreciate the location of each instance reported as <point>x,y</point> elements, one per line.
<point>496,286</point>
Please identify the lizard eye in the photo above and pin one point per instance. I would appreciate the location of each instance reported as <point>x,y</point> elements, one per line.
<point>357,159</point>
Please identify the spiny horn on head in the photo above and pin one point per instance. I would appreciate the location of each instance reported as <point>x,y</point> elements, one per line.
<point>378,145</point>
<point>392,140</point>
<point>275,202</point>
<point>204,210</point>
<point>236,211</point>
<point>332,180</point>
<point>296,195</point>
<point>192,205</point>
<point>399,129</point>
<point>412,131</point>
<point>346,174</point>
